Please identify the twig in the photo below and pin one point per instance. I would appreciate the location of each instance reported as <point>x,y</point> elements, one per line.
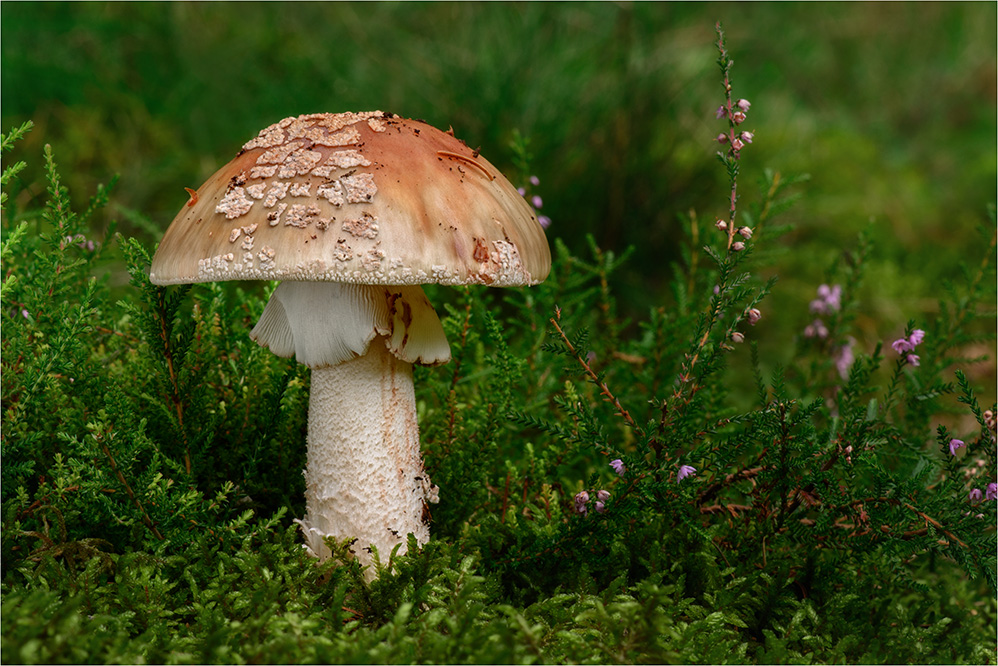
<point>604,390</point>
<point>128,489</point>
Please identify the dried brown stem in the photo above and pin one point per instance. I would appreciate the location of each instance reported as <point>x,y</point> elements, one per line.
<point>604,390</point>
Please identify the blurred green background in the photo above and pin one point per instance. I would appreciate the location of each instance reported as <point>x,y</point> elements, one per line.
<point>890,107</point>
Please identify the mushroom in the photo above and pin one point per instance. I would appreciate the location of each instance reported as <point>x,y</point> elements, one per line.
<point>351,212</point>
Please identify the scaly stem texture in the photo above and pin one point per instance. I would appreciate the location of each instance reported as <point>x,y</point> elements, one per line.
<point>365,476</point>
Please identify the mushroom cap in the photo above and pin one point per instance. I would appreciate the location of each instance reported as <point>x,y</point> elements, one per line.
<point>364,198</point>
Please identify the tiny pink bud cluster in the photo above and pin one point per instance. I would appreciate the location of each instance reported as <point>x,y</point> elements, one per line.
<point>905,346</point>
<point>990,421</point>
<point>536,201</point>
<point>737,117</point>
<point>829,300</point>
<point>583,499</point>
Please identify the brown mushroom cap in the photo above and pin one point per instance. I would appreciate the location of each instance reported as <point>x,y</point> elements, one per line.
<point>365,198</point>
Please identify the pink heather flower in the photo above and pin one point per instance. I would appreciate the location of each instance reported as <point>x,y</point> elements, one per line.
<point>743,104</point>
<point>537,201</point>
<point>738,246</point>
<point>975,496</point>
<point>602,496</point>
<point>721,224</point>
<point>831,295</point>
<point>722,138</point>
<point>747,137</point>
<point>753,316</point>
<point>544,220</point>
<point>618,466</point>
<point>843,359</point>
<point>738,337</point>
<point>738,117</point>
<point>745,233</point>
<point>25,314</point>
<point>600,507</point>
<point>991,492</point>
<point>582,497</point>
<point>901,346</point>
<point>522,191</point>
<point>916,337</point>
<point>721,112</point>
<point>535,181</point>
<point>685,471</point>
<point>955,444</point>
<point>816,330</point>
<point>737,144</point>
<point>829,299</point>
<point>913,360</point>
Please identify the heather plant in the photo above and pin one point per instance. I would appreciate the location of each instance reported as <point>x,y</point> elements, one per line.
<point>612,491</point>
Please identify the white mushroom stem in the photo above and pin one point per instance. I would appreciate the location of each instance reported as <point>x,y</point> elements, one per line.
<point>365,476</point>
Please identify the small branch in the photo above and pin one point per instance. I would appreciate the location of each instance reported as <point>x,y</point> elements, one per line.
<point>175,397</point>
<point>452,394</point>
<point>604,390</point>
<point>128,489</point>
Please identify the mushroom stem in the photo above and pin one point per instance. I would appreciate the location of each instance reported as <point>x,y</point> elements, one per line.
<point>365,475</point>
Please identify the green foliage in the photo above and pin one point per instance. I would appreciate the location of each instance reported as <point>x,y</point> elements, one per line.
<point>153,454</point>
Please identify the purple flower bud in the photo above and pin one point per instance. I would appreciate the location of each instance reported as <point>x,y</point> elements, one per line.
<point>743,104</point>
<point>738,246</point>
<point>591,357</point>
<point>991,492</point>
<point>955,444</point>
<point>834,297</point>
<point>537,201</point>
<point>746,137</point>
<point>722,138</point>
<point>544,220</point>
<point>913,360</point>
<point>901,346</point>
<point>737,144</point>
<point>843,359</point>
<point>535,181</point>
<point>745,232</point>
<point>602,495</point>
<point>738,117</point>
<point>975,495</point>
<point>618,466</point>
<point>738,337</point>
<point>582,497</point>
<point>721,224</point>
<point>522,191</point>
<point>717,289</point>
<point>600,507</point>
<point>916,337</point>
<point>816,330</point>
<point>25,314</point>
<point>753,316</point>
<point>721,112</point>
<point>685,471</point>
